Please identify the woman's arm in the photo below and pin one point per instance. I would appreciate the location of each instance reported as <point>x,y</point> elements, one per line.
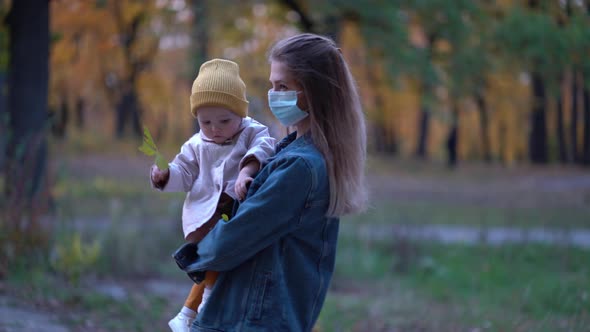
<point>272,211</point>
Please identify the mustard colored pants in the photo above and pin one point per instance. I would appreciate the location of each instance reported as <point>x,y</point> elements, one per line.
<point>196,295</point>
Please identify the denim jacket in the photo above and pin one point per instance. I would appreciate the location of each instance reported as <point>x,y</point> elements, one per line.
<point>276,254</point>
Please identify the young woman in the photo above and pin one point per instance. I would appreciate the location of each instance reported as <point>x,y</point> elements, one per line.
<point>276,255</point>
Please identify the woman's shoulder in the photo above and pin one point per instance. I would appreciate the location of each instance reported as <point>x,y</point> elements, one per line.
<point>301,149</point>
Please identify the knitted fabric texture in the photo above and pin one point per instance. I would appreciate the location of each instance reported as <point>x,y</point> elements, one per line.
<point>219,84</point>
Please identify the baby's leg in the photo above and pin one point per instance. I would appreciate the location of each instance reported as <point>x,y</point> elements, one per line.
<point>183,320</point>
<point>195,296</point>
<point>210,278</point>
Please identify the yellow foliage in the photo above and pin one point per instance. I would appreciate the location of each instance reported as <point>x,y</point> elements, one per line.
<point>72,257</point>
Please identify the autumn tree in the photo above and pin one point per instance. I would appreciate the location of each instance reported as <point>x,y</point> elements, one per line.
<point>26,153</point>
<point>199,51</point>
<point>3,70</point>
<point>531,40</point>
<point>139,48</point>
<point>579,37</point>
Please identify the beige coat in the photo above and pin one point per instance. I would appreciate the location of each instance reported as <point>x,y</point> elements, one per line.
<point>205,169</point>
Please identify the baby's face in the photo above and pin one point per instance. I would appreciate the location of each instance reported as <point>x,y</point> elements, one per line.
<point>217,123</point>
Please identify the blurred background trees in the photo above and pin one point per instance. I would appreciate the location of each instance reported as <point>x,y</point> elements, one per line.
<point>478,115</point>
<point>455,81</point>
<point>503,81</point>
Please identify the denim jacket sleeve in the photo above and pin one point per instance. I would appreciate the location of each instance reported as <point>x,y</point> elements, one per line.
<point>272,210</point>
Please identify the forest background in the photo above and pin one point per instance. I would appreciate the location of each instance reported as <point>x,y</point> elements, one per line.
<point>457,94</point>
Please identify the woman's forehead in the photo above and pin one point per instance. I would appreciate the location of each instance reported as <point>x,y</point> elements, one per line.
<point>279,72</point>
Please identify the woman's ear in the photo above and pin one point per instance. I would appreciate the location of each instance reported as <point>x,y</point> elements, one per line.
<point>302,101</point>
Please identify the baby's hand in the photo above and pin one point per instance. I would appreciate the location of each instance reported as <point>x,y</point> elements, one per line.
<point>242,184</point>
<point>159,177</point>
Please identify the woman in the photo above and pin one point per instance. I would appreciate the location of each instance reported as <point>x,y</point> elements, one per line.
<point>276,254</point>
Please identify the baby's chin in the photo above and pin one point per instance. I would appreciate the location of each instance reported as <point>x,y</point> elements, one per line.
<point>220,140</point>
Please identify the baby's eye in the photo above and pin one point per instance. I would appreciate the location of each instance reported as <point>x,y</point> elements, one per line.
<point>206,122</point>
<point>225,121</point>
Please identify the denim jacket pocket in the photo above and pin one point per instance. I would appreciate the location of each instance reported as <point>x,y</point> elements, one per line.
<point>260,292</point>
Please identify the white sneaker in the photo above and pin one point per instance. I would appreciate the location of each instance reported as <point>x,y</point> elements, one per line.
<point>181,323</point>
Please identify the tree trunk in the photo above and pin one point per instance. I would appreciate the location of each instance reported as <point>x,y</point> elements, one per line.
<point>128,115</point>
<point>59,120</point>
<point>3,121</point>
<point>423,123</point>
<point>574,116</point>
<point>453,138</point>
<point>538,153</point>
<point>128,109</point>
<point>200,32</point>
<point>562,146</point>
<point>80,120</point>
<point>306,22</point>
<point>386,137</point>
<point>586,154</point>
<point>484,123</point>
<point>28,83</point>
<point>423,128</point>
<point>426,90</point>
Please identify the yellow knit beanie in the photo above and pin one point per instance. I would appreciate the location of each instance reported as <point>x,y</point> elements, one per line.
<point>219,84</point>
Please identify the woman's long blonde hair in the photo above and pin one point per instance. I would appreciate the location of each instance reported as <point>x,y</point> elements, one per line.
<point>336,116</point>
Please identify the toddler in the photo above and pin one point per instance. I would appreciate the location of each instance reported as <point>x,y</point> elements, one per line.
<point>215,165</point>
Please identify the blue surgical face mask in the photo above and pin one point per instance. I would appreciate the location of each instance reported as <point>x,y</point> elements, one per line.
<point>283,104</point>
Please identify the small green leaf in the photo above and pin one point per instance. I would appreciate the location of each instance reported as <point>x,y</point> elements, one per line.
<point>161,162</point>
<point>147,138</point>
<point>225,217</point>
<point>147,150</point>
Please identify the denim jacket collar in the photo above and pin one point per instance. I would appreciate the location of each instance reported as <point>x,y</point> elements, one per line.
<point>292,141</point>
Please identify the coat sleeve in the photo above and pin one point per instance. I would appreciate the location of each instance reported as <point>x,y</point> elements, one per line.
<point>263,218</point>
<point>261,146</point>
<point>184,169</point>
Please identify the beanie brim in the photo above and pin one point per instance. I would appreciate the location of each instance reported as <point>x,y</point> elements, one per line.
<point>220,99</point>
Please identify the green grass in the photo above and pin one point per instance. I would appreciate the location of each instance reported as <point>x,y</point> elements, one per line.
<point>392,285</point>
<point>508,288</point>
<point>100,196</point>
<point>128,257</point>
<point>80,305</point>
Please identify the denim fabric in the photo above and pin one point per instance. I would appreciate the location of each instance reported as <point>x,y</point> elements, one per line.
<point>276,254</point>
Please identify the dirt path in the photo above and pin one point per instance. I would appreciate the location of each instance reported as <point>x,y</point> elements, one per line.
<point>523,187</point>
<point>484,185</point>
<point>492,236</point>
<point>19,317</point>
